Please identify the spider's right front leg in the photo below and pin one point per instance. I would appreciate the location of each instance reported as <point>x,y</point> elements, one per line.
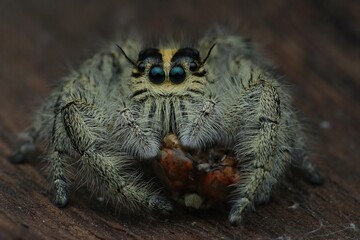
<point>85,128</point>
<point>138,137</point>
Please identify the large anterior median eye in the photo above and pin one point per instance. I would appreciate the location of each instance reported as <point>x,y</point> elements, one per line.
<point>177,74</point>
<point>157,75</point>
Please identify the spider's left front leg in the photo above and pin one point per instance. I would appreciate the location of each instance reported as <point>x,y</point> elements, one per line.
<point>262,143</point>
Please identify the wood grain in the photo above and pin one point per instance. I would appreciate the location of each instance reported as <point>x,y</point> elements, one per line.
<point>314,43</point>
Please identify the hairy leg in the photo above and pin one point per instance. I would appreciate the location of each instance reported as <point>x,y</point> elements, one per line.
<point>302,160</point>
<point>258,110</point>
<point>36,136</point>
<point>23,151</point>
<point>261,145</point>
<point>101,167</point>
<point>203,127</point>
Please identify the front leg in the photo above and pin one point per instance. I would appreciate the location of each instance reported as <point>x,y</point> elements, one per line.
<point>138,137</point>
<point>263,144</point>
<point>203,126</point>
<point>104,168</point>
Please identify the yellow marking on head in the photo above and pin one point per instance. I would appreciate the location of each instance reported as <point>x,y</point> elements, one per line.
<point>167,54</point>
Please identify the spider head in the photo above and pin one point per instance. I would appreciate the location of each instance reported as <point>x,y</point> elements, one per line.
<point>168,72</point>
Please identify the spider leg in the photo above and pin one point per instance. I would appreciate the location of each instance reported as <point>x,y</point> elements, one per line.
<point>80,127</point>
<point>311,173</point>
<point>102,168</point>
<point>138,137</point>
<point>262,145</point>
<point>32,138</point>
<point>302,160</point>
<point>59,175</point>
<point>204,127</point>
<point>23,151</point>
<point>257,118</point>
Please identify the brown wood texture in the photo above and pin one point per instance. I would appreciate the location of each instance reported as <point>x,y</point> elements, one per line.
<point>314,43</point>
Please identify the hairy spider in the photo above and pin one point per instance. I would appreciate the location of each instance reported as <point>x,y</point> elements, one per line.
<point>114,112</point>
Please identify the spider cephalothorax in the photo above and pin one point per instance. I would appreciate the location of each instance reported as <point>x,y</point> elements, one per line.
<point>110,114</point>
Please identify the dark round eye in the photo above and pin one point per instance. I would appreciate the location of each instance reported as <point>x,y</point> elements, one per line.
<point>141,66</point>
<point>177,74</point>
<point>193,66</point>
<point>157,75</point>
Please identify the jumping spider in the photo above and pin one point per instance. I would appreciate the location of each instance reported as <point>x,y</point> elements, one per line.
<point>114,111</point>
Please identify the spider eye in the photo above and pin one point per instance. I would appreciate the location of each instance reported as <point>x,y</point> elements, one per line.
<point>177,74</point>
<point>157,75</point>
<point>141,66</point>
<point>193,66</point>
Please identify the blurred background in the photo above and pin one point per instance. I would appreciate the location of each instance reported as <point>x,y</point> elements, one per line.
<point>315,44</point>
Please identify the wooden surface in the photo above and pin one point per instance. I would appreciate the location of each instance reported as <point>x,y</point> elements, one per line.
<point>314,43</point>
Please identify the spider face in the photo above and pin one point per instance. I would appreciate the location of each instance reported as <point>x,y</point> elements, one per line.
<point>167,72</point>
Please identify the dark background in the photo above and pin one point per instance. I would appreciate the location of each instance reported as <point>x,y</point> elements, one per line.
<point>315,44</point>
